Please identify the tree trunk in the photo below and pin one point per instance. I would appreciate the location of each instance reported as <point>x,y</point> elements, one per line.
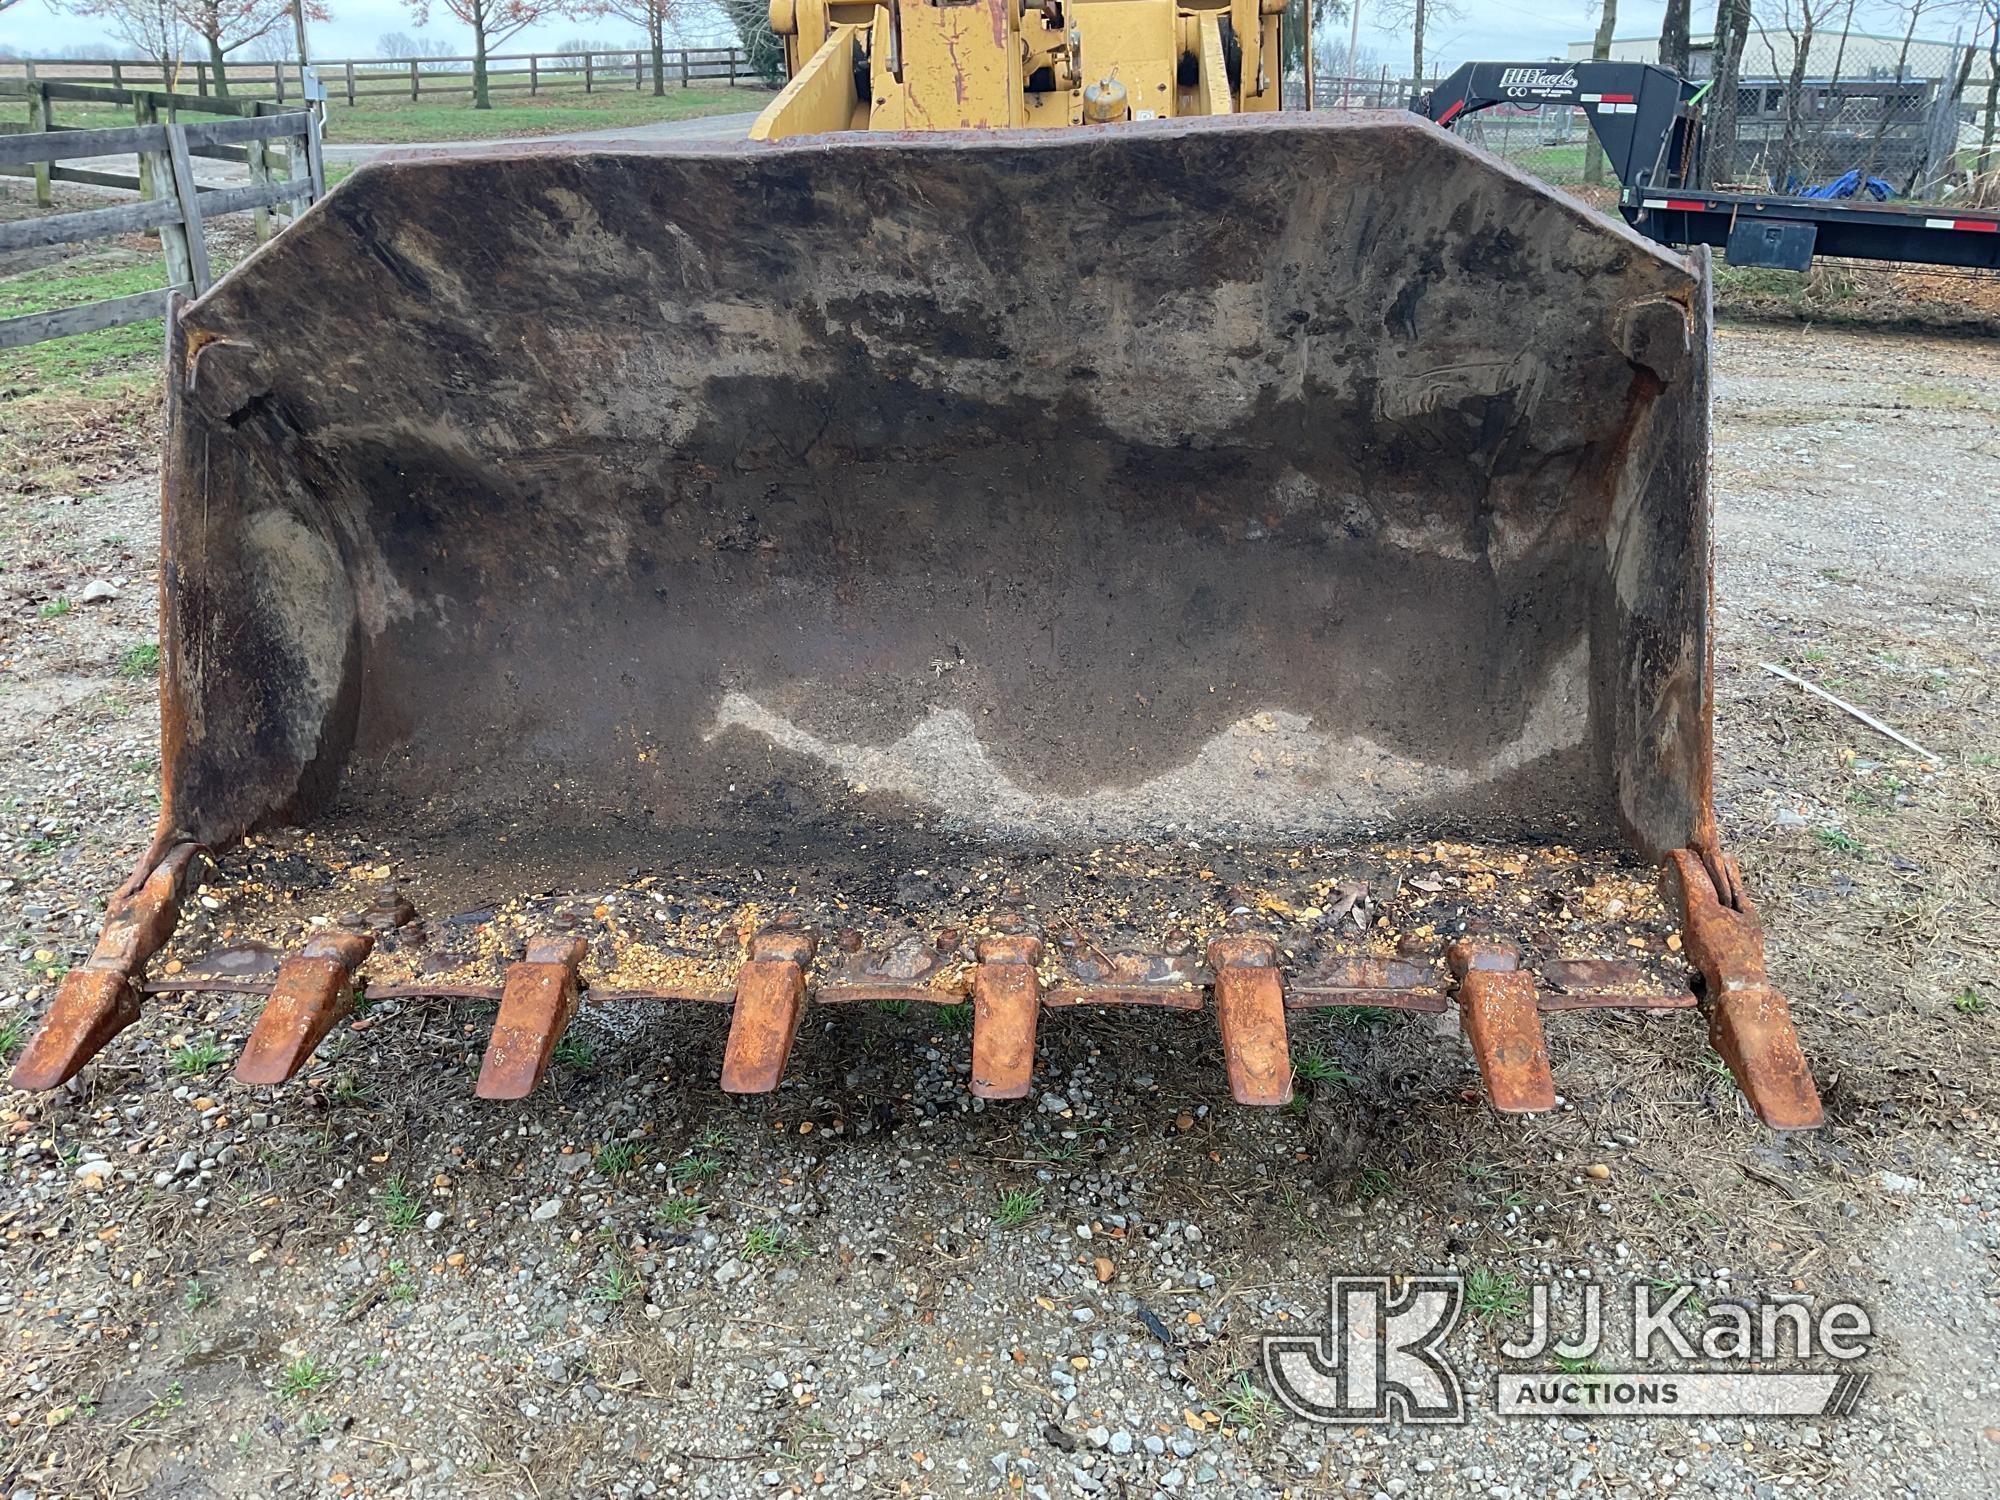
<point>1795,86</point>
<point>659,29</point>
<point>299,36</point>
<point>1902,71</point>
<point>1992,99</point>
<point>1732,30</point>
<point>480,98</point>
<point>1600,48</point>
<point>216,66</point>
<point>1674,37</point>
<point>1417,46</point>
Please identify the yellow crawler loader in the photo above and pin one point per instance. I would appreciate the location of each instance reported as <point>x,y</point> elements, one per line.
<point>1034,527</point>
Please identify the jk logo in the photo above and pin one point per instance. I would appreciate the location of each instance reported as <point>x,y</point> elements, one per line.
<point>1379,1357</point>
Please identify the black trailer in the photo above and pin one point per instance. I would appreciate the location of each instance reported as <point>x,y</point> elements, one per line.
<point>1644,118</point>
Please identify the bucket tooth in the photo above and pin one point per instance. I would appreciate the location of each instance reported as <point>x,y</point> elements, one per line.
<point>770,1000</point>
<point>1250,1010</point>
<point>1496,1006</point>
<point>1749,1023</point>
<point>98,1000</point>
<point>313,994</point>
<point>1006,1001</point>
<point>537,1000</point>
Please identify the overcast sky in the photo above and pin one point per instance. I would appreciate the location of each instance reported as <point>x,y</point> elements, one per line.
<point>1491,29</point>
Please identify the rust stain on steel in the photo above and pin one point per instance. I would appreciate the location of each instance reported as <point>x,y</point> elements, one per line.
<point>1607,984</point>
<point>313,993</point>
<point>1390,983</point>
<point>536,1003</point>
<point>1006,999</point>
<point>1749,1023</point>
<point>1617,1000</point>
<point>98,1000</point>
<point>1496,1005</point>
<point>770,1000</point>
<point>1250,1010</point>
<point>1064,996</point>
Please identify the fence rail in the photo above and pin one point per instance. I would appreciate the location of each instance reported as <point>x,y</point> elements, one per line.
<point>280,149</point>
<point>352,79</point>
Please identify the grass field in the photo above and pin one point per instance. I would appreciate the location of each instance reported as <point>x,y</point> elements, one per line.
<point>451,117</point>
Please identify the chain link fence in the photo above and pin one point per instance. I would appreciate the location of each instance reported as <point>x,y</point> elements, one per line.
<point>1866,126</point>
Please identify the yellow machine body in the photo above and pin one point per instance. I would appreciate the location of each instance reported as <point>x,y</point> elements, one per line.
<point>992,64</point>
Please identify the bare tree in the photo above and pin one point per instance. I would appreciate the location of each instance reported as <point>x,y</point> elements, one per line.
<point>492,23</point>
<point>1674,37</point>
<point>1913,11</point>
<point>1985,163</point>
<point>656,17</point>
<point>227,26</point>
<point>155,29</point>
<point>1600,48</point>
<point>1732,31</point>
<point>1800,21</point>
<point>1419,16</point>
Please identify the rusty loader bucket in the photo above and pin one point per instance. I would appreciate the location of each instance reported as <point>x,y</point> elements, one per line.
<point>794,523</point>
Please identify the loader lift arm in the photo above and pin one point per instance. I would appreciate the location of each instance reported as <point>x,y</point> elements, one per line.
<point>1645,119</point>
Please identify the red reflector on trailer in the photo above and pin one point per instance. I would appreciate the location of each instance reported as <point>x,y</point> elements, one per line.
<point>1616,98</point>
<point>1694,203</point>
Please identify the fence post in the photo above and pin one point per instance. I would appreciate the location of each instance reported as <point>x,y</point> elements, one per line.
<point>534,76</point>
<point>684,67</point>
<point>278,78</point>
<point>190,205</point>
<point>586,72</point>
<point>144,113</point>
<point>413,80</point>
<point>732,64</point>
<point>638,71</point>
<point>41,118</point>
<point>117,74</point>
<point>350,83</point>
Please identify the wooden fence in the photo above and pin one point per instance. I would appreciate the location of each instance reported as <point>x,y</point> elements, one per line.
<point>169,201</point>
<point>353,79</point>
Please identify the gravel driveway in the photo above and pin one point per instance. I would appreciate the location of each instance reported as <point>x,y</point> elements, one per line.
<point>368,1283</point>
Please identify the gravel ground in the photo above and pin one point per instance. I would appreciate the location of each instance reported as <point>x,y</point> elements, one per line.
<point>368,1283</point>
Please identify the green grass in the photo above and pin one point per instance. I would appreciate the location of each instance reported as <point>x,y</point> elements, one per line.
<point>1243,1405</point>
<point>1315,1067</point>
<point>400,1207</point>
<point>11,1031</point>
<point>140,661</point>
<point>1837,838</point>
<point>197,1296</point>
<point>678,1213</point>
<point>616,1158</point>
<point>769,1240</point>
<point>1017,1207</point>
<point>1375,1182</point>
<point>86,362</point>
<point>617,1282</point>
<point>197,1057</point>
<point>402,1282</point>
<point>955,1018</point>
<point>573,1053</point>
<point>696,1166</point>
<point>1576,1364</point>
<point>302,1378</point>
<point>55,609</point>
<point>1967,1002</point>
<point>388,120</point>
<point>1494,1294</point>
